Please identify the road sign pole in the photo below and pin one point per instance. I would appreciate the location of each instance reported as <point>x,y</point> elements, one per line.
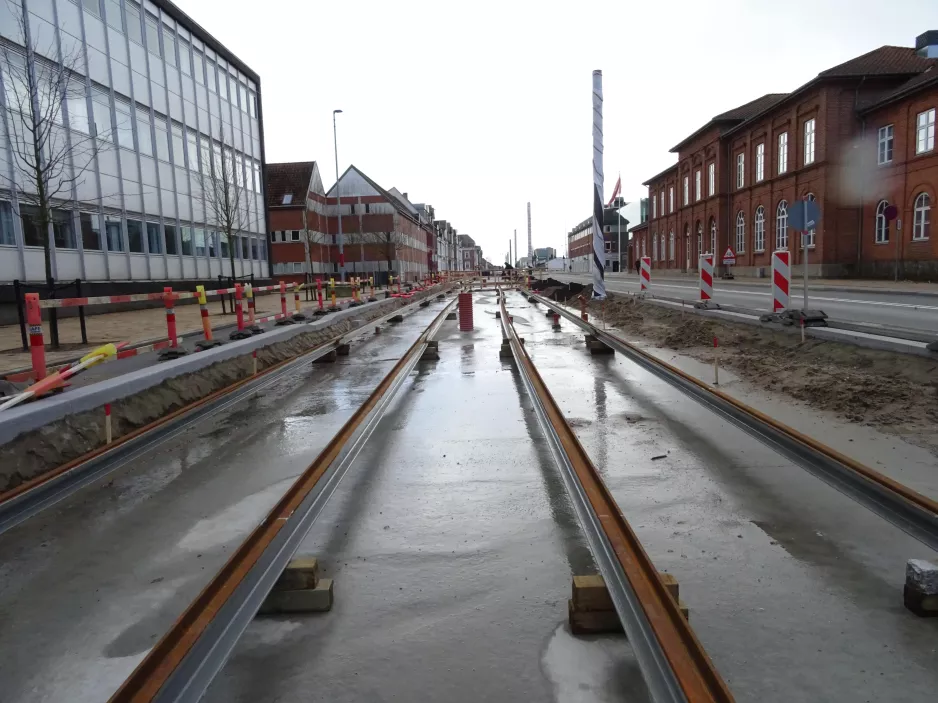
<point>804,264</point>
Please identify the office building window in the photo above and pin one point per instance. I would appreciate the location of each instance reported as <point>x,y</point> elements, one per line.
<point>113,233</point>
<point>186,234</point>
<point>740,170</point>
<point>783,152</point>
<point>7,237</point>
<point>154,242</point>
<point>134,30</point>
<point>809,142</point>
<point>153,34</point>
<point>169,236</point>
<point>884,145</point>
<point>740,232</point>
<point>697,184</point>
<point>63,233</point>
<point>654,207</point>
<point>760,162</point>
<point>925,131</point>
<point>169,46</point>
<point>670,198</point>
<point>686,190</point>
<point>112,10</point>
<point>101,110</point>
<point>144,138</point>
<point>135,235</point>
<point>711,179</point>
<point>162,138</point>
<point>90,231</point>
<point>125,124</point>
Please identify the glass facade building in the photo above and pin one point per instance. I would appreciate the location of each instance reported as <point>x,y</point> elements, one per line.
<point>163,114</point>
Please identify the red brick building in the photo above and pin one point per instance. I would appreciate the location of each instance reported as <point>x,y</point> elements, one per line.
<point>828,140</point>
<point>381,229</point>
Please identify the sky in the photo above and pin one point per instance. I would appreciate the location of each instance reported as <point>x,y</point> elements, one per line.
<point>478,108</point>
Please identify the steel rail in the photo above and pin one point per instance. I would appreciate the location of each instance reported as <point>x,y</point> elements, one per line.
<point>32,497</point>
<point>674,665</point>
<point>907,509</point>
<point>183,663</point>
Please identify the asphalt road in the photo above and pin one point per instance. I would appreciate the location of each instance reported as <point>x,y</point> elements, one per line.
<point>909,310</point>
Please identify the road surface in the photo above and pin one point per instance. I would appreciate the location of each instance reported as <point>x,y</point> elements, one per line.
<point>909,310</point>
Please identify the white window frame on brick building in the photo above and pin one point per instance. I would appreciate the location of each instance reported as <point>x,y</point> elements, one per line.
<point>671,198</point>
<point>654,247</point>
<point>781,225</point>
<point>740,170</point>
<point>663,211</point>
<point>925,131</point>
<point>699,238</point>
<point>885,139</point>
<point>758,239</point>
<point>697,184</point>
<point>740,232</point>
<point>760,162</point>
<point>671,246</point>
<point>711,179</point>
<point>654,207</point>
<point>809,129</point>
<point>782,152</point>
<point>881,230</point>
<point>686,190</point>
<point>713,236</point>
<point>921,224</point>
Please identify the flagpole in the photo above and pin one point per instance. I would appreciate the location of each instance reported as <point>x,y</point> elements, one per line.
<point>619,223</point>
<point>599,282</point>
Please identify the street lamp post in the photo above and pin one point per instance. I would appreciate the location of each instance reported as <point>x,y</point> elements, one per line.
<point>338,199</point>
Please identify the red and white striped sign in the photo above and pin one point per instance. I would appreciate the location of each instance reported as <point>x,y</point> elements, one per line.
<point>706,276</point>
<point>646,272</point>
<point>781,280</point>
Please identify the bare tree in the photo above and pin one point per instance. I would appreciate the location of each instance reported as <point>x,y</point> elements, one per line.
<point>49,160</point>
<point>388,243</point>
<point>224,192</point>
<point>310,238</point>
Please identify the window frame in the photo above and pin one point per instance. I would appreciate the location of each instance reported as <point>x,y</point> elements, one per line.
<point>758,232</point>
<point>741,169</point>
<point>809,141</point>
<point>697,186</point>
<point>881,224</point>
<point>686,190</point>
<point>885,143</point>
<point>760,162</point>
<point>671,198</point>
<point>925,131</point>
<point>781,226</point>
<point>921,224</point>
<point>671,246</point>
<point>782,153</point>
<point>740,232</point>
<point>711,179</point>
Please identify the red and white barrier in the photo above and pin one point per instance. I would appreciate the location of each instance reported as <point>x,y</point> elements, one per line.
<point>781,280</point>
<point>646,272</point>
<point>465,312</point>
<point>706,277</point>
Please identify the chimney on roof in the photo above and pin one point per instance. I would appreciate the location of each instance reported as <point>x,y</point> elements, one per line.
<point>926,45</point>
<point>405,197</point>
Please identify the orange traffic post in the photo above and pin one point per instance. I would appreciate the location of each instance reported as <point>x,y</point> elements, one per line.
<point>332,290</point>
<point>203,310</point>
<point>249,291</point>
<point>239,307</point>
<point>283,298</point>
<point>170,316</point>
<point>37,348</point>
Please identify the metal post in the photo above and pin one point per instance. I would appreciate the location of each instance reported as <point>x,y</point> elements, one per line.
<point>81,313</point>
<point>20,304</point>
<point>338,198</point>
<point>804,264</point>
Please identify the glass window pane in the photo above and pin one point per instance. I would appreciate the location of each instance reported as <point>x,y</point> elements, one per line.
<point>254,248</point>
<point>199,241</point>
<point>199,66</point>
<point>204,149</point>
<point>252,104</point>
<point>92,6</point>
<point>125,129</point>
<point>243,92</point>
<point>101,106</point>
<point>144,139</point>
<point>223,237</point>
<point>245,248</point>
<point>132,10</point>
<point>28,217</point>
<point>78,113</point>
<point>62,232</point>
<point>186,241</point>
<point>6,224</point>
<point>222,83</point>
<point>184,64</point>
<point>90,231</point>
<point>169,46</point>
<point>153,35</point>
<point>113,10</point>
<point>193,149</point>
<point>212,247</point>
<point>154,242</point>
<point>169,236</point>
<point>135,235</point>
<point>162,143</point>
<point>112,230</point>
<point>179,148</point>
<point>210,72</point>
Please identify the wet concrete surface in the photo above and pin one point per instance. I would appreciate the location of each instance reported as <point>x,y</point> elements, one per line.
<point>794,590</point>
<point>87,587</point>
<point>452,544</point>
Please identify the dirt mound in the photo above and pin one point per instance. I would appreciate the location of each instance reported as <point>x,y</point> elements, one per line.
<point>895,392</point>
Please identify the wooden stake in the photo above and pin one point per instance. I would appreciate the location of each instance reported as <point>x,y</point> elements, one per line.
<point>107,423</point>
<point>254,361</point>
<point>716,363</point>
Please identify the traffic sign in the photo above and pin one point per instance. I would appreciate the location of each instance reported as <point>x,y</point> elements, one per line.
<point>729,257</point>
<point>890,213</point>
<point>803,215</point>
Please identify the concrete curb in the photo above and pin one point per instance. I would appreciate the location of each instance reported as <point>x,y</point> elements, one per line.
<point>33,416</point>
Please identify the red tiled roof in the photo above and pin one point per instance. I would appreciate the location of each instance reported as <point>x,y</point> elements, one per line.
<point>884,61</point>
<point>290,178</point>
<point>744,112</point>
<point>920,82</point>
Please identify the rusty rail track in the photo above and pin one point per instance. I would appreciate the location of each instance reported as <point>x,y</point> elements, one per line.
<point>907,509</point>
<point>183,663</point>
<point>45,490</point>
<point>672,660</point>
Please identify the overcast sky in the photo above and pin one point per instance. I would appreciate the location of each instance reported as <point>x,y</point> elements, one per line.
<point>477,108</point>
